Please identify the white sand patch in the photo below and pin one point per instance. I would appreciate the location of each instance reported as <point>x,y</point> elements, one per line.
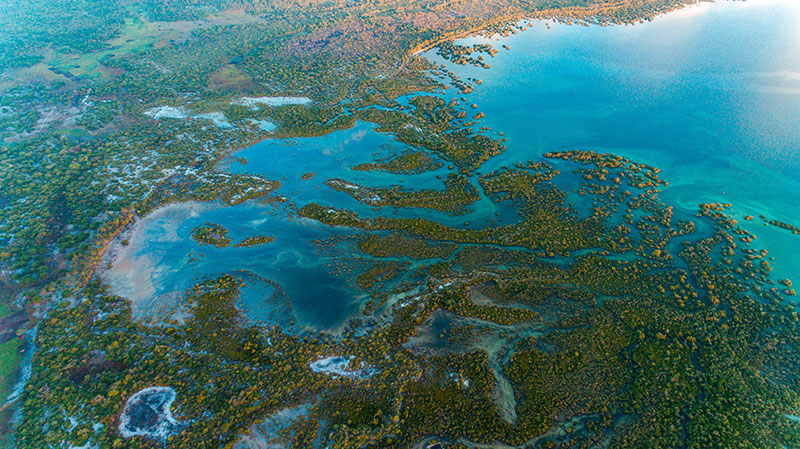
<point>357,136</point>
<point>254,102</point>
<point>218,118</point>
<point>340,366</point>
<point>147,413</point>
<point>256,223</point>
<point>166,112</point>
<point>263,125</point>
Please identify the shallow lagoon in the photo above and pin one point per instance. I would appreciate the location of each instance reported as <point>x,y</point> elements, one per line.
<point>709,94</point>
<point>162,261</point>
<point>714,105</point>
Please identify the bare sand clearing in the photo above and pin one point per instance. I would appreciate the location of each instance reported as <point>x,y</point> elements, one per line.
<point>253,102</point>
<point>166,112</point>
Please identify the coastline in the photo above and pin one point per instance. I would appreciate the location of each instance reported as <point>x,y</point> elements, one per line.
<point>568,15</point>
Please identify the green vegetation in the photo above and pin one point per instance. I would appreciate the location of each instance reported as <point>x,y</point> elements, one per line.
<point>458,193</point>
<point>82,76</point>
<point>783,225</point>
<point>5,309</point>
<point>255,240</point>
<point>407,163</point>
<point>616,326</point>
<point>9,364</point>
<point>211,234</point>
<point>399,245</point>
<point>433,125</point>
<point>627,348</point>
<point>613,325</point>
<point>379,273</point>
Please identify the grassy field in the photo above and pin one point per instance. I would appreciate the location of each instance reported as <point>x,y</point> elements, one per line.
<point>9,362</point>
<point>136,35</point>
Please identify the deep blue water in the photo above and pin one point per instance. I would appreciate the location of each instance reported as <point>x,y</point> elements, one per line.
<point>711,95</point>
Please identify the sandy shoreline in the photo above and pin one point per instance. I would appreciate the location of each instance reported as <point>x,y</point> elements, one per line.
<point>132,268</point>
